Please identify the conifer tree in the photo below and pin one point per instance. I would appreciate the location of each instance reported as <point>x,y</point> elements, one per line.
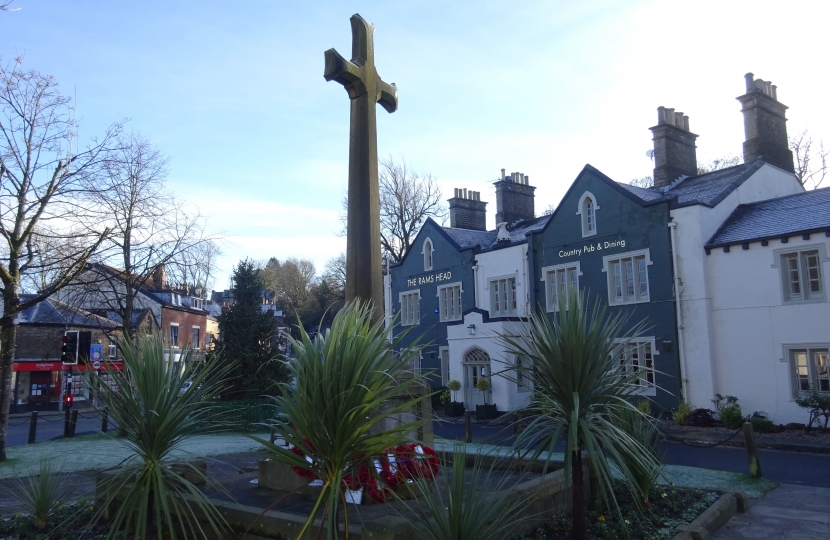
<point>249,337</point>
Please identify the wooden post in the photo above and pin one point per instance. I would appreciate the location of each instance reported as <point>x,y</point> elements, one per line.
<point>751,451</point>
<point>105,419</point>
<point>468,426</point>
<point>33,428</point>
<point>66,424</point>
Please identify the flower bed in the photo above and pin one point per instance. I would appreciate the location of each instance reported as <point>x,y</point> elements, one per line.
<point>669,507</point>
<point>70,522</point>
<point>377,478</point>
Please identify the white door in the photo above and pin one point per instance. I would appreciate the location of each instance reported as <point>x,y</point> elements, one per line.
<point>472,395</point>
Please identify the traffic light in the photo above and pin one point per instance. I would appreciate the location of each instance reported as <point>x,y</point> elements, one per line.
<point>69,348</point>
<point>67,399</point>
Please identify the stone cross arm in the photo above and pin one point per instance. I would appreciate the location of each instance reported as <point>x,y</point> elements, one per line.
<point>359,76</point>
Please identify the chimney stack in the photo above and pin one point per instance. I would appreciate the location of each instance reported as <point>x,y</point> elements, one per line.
<point>674,147</point>
<point>467,211</point>
<point>765,124</point>
<point>514,198</point>
<point>159,277</point>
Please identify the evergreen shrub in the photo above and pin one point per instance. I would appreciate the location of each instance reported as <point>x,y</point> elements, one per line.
<point>731,416</point>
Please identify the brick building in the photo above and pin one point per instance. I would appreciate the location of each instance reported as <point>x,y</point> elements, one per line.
<point>39,376</point>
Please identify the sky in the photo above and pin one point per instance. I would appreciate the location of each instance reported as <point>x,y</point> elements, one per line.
<point>233,93</point>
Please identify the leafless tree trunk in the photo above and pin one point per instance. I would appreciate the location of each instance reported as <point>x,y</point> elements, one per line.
<point>810,163</point>
<point>407,199</point>
<point>40,174</point>
<point>149,229</point>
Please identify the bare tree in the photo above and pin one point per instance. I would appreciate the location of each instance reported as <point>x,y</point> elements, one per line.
<point>40,173</point>
<point>335,275</point>
<point>149,229</point>
<point>195,267</point>
<point>407,199</point>
<point>810,163</point>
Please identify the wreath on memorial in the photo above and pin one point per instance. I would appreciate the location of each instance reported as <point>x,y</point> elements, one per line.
<point>378,477</point>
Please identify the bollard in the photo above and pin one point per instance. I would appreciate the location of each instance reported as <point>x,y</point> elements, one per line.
<point>273,435</point>
<point>73,423</point>
<point>33,427</point>
<point>104,418</point>
<point>468,426</point>
<point>752,451</point>
<point>66,424</point>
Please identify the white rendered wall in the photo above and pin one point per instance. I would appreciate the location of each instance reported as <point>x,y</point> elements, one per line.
<point>695,226</point>
<point>753,325</point>
<point>507,262</point>
<point>505,393</point>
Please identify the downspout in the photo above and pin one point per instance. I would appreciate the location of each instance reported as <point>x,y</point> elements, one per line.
<point>530,264</point>
<point>526,283</point>
<point>677,293</point>
<point>475,285</point>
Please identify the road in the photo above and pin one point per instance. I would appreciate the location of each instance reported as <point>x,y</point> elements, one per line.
<point>790,467</point>
<point>50,426</point>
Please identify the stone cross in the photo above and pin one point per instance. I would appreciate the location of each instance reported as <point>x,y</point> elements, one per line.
<point>365,88</point>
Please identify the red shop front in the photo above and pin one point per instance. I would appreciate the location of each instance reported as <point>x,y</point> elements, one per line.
<point>37,386</point>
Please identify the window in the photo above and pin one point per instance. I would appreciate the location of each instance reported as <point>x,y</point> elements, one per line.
<point>416,364</point>
<point>627,277</point>
<point>524,377</point>
<point>410,307</point>
<point>637,357</point>
<point>174,335</point>
<point>503,297</point>
<point>588,212</point>
<point>196,303</point>
<point>449,302</point>
<point>810,368</point>
<point>444,352</point>
<point>113,350</point>
<point>175,299</point>
<point>194,341</point>
<point>560,281</point>
<point>801,274</point>
<point>427,251</point>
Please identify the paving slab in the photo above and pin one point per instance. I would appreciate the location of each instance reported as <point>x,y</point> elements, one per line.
<point>789,512</point>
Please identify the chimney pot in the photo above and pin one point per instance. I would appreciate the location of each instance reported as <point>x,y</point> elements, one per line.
<point>467,211</point>
<point>502,174</point>
<point>765,124</point>
<point>514,199</point>
<point>675,154</point>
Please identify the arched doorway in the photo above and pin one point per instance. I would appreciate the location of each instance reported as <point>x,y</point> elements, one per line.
<point>476,365</point>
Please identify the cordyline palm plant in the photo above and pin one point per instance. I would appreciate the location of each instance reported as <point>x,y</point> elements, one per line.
<point>470,503</point>
<point>156,412</point>
<point>345,380</point>
<point>580,392</point>
<point>43,491</point>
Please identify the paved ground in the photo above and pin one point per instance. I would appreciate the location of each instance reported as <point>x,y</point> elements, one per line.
<point>790,512</point>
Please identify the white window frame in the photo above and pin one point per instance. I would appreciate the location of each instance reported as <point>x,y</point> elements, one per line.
<point>805,295</point>
<point>428,262</point>
<point>552,285</point>
<point>611,277</point>
<point>588,216</point>
<point>196,303</point>
<point>113,350</point>
<point>415,317</point>
<point>523,382</point>
<point>198,329</point>
<point>816,377</point>
<point>417,363</point>
<point>443,312</point>
<point>645,387</point>
<point>176,344</point>
<point>444,356</point>
<point>508,306</point>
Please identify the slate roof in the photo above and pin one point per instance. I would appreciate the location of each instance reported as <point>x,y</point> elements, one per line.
<point>773,218</point>
<point>645,194</point>
<point>708,189</point>
<point>486,240</point>
<point>51,311</point>
<point>711,188</point>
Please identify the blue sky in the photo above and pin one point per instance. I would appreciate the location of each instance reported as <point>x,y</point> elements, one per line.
<point>234,92</point>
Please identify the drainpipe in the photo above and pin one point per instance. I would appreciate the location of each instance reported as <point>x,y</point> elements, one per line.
<point>526,285</point>
<point>475,284</point>
<point>677,292</point>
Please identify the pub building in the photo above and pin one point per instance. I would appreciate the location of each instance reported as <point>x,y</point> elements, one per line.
<point>39,376</point>
<point>728,268</point>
